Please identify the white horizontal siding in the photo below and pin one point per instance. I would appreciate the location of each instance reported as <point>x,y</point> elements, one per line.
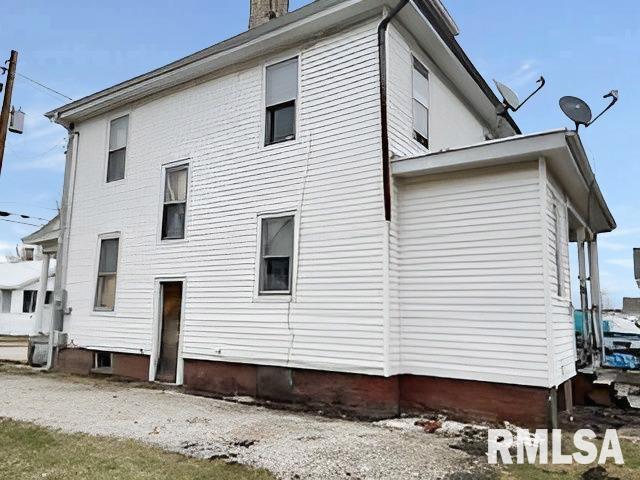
<point>471,287</point>
<point>330,175</point>
<point>452,122</point>
<point>562,323</point>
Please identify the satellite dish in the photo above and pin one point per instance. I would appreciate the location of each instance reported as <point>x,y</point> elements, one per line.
<point>580,113</point>
<point>510,100</point>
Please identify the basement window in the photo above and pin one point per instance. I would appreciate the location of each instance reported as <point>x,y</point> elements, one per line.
<point>175,203</point>
<point>118,132</point>
<point>29,301</point>
<point>276,254</point>
<point>281,97</point>
<point>102,362</point>
<point>420,103</point>
<point>107,271</point>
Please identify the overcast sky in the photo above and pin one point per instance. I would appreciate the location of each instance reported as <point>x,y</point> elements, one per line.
<point>582,48</point>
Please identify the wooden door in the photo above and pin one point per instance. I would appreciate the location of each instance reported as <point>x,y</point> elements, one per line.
<point>169,331</point>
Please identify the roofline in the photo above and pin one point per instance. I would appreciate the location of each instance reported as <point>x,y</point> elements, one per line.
<point>559,138</point>
<point>433,10</point>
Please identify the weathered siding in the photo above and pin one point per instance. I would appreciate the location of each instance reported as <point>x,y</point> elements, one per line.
<point>563,328</point>
<point>452,122</point>
<point>471,292</point>
<point>330,175</point>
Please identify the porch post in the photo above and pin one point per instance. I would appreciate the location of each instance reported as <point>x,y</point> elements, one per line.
<point>584,300</point>
<point>42,292</point>
<point>596,296</point>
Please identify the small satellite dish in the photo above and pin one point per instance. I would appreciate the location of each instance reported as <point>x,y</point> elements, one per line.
<point>510,100</point>
<point>580,113</point>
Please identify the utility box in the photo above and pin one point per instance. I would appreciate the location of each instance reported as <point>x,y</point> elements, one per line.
<point>16,121</point>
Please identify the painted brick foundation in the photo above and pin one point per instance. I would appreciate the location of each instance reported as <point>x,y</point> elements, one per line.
<point>355,394</point>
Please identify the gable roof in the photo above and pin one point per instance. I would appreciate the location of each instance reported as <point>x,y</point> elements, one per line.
<point>311,21</point>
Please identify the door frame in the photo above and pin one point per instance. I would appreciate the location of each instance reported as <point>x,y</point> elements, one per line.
<point>156,328</point>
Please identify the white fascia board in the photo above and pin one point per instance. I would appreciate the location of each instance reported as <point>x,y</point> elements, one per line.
<point>562,149</point>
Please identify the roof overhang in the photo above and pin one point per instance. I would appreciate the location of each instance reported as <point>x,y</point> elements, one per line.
<point>566,161</point>
<point>427,20</point>
<point>46,237</point>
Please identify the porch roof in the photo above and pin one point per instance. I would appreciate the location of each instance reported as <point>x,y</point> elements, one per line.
<point>562,149</point>
<point>46,236</point>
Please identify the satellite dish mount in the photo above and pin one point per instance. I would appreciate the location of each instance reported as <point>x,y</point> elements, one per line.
<point>578,110</point>
<point>510,100</point>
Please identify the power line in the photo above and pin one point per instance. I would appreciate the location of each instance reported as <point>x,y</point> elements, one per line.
<point>22,223</point>
<point>29,205</point>
<point>44,86</point>
<point>6,214</point>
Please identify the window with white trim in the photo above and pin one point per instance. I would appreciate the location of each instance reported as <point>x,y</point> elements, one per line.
<point>175,202</point>
<point>420,103</point>
<point>118,133</point>
<point>276,254</point>
<point>280,101</point>
<point>107,273</point>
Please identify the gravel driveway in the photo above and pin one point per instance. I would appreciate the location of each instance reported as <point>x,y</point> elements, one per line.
<point>291,445</point>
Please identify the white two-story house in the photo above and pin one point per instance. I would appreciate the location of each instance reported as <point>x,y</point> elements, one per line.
<point>324,209</point>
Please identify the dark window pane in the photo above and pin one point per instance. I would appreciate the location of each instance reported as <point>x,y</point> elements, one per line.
<point>109,256</point>
<point>281,123</point>
<point>47,298</point>
<point>173,220</point>
<point>29,301</point>
<point>115,169</point>
<point>276,274</point>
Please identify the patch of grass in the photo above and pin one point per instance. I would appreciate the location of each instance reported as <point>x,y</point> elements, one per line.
<point>28,451</point>
<point>629,471</point>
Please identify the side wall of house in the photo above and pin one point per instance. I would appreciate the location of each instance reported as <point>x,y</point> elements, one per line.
<point>329,176</point>
<point>562,323</point>
<point>451,124</point>
<point>472,302</point>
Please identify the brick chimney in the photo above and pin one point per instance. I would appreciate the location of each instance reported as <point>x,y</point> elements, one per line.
<point>261,11</point>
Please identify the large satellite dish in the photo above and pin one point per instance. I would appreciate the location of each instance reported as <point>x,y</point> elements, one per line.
<point>510,100</point>
<point>580,113</point>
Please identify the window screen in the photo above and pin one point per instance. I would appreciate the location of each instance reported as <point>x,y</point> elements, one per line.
<point>175,203</point>
<point>281,96</point>
<point>420,103</point>
<point>118,132</point>
<point>107,271</point>
<point>276,254</point>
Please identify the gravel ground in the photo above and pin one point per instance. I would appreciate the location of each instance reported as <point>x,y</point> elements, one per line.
<point>291,445</point>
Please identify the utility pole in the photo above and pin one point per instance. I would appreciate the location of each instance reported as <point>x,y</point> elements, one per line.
<point>6,104</point>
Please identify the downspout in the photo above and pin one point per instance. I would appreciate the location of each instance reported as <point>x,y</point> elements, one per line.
<point>384,128</point>
<point>60,297</point>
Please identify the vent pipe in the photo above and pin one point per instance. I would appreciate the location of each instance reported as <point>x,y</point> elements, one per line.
<point>261,11</point>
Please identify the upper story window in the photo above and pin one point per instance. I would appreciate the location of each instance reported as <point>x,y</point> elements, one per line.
<point>276,254</point>
<point>107,272</point>
<point>28,254</point>
<point>118,132</point>
<point>29,300</point>
<point>281,96</point>
<point>175,202</point>
<point>420,103</point>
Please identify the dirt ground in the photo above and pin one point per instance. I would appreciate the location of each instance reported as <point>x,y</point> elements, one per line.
<point>291,445</point>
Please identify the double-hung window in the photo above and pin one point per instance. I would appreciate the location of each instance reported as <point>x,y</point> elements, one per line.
<point>276,254</point>
<point>420,103</point>
<point>175,202</point>
<point>281,97</point>
<point>107,272</point>
<point>118,132</point>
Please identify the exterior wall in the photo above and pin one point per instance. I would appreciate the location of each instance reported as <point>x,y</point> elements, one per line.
<point>452,123</point>
<point>471,291</point>
<point>561,318</point>
<point>330,176</point>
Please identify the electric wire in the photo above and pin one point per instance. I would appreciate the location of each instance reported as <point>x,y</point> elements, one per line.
<point>7,214</point>
<point>44,86</point>
<point>21,223</point>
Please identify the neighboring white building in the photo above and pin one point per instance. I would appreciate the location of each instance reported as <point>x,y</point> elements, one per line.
<point>233,222</point>
<point>19,285</point>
